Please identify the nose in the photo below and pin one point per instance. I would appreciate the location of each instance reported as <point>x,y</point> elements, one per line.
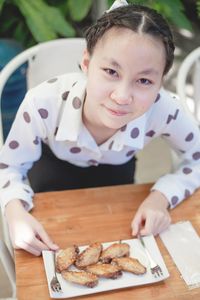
<point>122,96</point>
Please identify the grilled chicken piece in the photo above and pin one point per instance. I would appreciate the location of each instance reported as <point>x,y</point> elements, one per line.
<point>66,258</point>
<point>115,250</point>
<point>105,270</point>
<point>81,277</point>
<point>130,264</point>
<point>89,256</point>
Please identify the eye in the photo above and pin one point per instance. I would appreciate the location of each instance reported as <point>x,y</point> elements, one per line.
<point>111,72</point>
<point>145,81</point>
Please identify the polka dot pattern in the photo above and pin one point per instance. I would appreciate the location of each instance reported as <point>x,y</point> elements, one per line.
<point>6,184</point>
<point>166,134</point>
<point>130,153</point>
<point>189,137</point>
<point>74,83</point>
<point>27,117</point>
<point>123,128</point>
<point>110,145</point>
<point>135,133</point>
<point>196,156</point>
<point>65,95</point>
<point>182,151</point>
<point>56,130</point>
<point>36,141</point>
<point>13,144</point>
<point>76,103</point>
<point>92,162</point>
<point>187,193</point>
<point>43,113</point>
<point>157,98</point>
<point>3,166</point>
<point>52,80</point>
<point>174,200</point>
<point>187,170</point>
<point>75,150</point>
<point>150,133</point>
<point>172,117</point>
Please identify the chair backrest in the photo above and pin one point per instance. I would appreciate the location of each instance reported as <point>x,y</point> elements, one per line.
<point>45,60</point>
<point>9,266</point>
<point>188,83</point>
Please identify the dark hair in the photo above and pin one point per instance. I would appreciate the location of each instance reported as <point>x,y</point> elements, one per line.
<point>138,18</point>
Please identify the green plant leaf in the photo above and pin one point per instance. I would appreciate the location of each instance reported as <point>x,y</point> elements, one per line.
<point>79,9</point>
<point>37,25</point>
<point>1,4</point>
<point>198,8</point>
<point>54,18</point>
<point>174,11</point>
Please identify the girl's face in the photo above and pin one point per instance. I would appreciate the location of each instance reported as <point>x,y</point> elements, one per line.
<point>124,74</point>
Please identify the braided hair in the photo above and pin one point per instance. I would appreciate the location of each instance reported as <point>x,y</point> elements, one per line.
<point>140,19</point>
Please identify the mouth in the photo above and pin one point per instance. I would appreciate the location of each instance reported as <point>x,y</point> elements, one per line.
<point>118,113</point>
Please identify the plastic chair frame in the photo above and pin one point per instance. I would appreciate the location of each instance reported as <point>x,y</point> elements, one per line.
<point>26,56</point>
<point>192,59</point>
<point>9,266</point>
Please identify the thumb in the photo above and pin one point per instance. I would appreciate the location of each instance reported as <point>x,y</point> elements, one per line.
<point>47,240</point>
<point>135,225</point>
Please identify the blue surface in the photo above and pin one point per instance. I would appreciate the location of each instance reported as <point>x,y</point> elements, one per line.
<point>16,86</point>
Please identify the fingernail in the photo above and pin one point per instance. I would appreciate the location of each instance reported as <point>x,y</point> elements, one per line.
<point>55,247</point>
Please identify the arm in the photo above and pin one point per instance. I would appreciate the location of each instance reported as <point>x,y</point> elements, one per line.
<point>21,149</point>
<point>25,231</point>
<point>180,130</point>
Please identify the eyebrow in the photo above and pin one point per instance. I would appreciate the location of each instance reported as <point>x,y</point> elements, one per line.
<point>112,62</point>
<point>115,64</point>
<point>148,71</point>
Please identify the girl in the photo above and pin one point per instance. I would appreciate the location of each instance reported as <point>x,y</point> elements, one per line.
<point>94,123</point>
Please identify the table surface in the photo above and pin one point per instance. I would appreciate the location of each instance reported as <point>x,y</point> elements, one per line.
<point>100,214</point>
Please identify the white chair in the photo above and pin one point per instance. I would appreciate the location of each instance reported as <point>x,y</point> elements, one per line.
<point>45,60</point>
<point>188,83</point>
<point>9,266</point>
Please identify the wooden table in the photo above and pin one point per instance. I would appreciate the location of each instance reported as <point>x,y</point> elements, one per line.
<point>100,214</point>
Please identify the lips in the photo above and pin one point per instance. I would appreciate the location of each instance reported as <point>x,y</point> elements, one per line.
<point>117,112</point>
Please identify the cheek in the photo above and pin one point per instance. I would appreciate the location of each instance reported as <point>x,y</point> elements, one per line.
<point>143,105</point>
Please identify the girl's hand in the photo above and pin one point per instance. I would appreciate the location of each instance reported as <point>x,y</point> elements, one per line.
<point>152,216</point>
<point>25,231</point>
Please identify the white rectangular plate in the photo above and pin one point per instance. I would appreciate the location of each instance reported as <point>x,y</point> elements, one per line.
<point>126,280</point>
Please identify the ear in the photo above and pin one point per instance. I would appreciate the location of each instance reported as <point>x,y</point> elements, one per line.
<point>85,61</point>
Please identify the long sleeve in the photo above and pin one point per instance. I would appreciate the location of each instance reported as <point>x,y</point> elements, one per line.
<point>183,134</point>
<point>22,147</point>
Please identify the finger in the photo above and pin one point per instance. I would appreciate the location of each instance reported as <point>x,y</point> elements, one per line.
<point>45,239</point>
<point>163,224</point>
<point>136,223</point>
<point>27,247</point>
<point>149,226</point>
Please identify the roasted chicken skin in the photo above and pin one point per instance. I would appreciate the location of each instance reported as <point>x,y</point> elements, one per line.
<point>130,264</point>
<point>81,277</point>
<point>105,270</point>
<point>89,256</point>
<point>115,250</point>
<point>66,258</point>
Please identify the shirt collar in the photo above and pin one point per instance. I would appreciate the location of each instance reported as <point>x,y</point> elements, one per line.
<point>71,126</point>
<point>71,114</point>
<point>131,135</point>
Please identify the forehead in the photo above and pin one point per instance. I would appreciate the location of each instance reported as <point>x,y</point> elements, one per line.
<point>130,49</point>
<point>119,32</point>
<point>118,38</point>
